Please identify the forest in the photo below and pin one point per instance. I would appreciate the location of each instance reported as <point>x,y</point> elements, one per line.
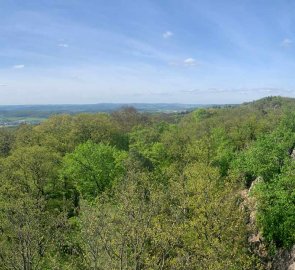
<point>149,191</point>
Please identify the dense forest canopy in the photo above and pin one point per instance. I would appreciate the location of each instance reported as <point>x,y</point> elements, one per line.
<point>128,190</point>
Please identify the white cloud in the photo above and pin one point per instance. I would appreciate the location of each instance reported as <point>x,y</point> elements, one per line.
<point>3,85</point>
<point>167,34</point>
<point>18,66</point>
<point>286,43</point>
<point>189,62</point>
<point>63,45</point>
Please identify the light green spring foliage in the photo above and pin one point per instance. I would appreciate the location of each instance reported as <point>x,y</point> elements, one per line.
<point>269,157</point>
<point>30,206</point>
<point>266,156</point>
<point>93,168</point>
<point>189,224</point>
<point>136,191</point>
<point>276,207</point>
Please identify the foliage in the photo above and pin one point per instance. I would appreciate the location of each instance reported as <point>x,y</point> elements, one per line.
<point>266,156</point>
<point>93,168</point>
<point>132,190</point>
<point>276,205</point>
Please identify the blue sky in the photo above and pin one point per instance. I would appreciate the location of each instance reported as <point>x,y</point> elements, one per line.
<point>186,51</point>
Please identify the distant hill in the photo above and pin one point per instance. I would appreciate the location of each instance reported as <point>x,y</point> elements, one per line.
<point>25,110</point>
<point>16,114</point>
<point>271,102</point>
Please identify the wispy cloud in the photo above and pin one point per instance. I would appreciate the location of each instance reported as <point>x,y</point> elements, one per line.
<point>206,90</point>
<point>190,62</point>
<point>192,91</point>
<point>264,90</point>
<point>167,34</point>
<point>286,43</point>
<point>63,45</point>
<point>3,85</point>
<point>20,66</point>
<point>261,90</point>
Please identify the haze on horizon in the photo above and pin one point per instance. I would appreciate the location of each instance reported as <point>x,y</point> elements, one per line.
<point>205,51</point>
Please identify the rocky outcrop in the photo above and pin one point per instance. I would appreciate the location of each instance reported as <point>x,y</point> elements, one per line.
<point>292,155</point>
<point>283,259</point>
<point>255,239</point>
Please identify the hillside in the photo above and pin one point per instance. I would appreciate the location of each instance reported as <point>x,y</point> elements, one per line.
<point>272,102</point>
<point>209,189</point>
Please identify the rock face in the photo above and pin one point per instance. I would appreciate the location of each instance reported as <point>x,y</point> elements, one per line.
<point>255,239</point>
<point>293,154</point>
<point>283,259</point>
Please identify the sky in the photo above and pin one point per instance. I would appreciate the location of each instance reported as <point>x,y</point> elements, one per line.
<point>123,51</point>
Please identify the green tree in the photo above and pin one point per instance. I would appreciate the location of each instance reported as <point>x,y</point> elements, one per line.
<point>116,231</point>
<point>28,216</point>
<point>7,138</point>
<point>210,224</point>
<point>266,156</point>
<point>276,207</point>
<point>93,168</point>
